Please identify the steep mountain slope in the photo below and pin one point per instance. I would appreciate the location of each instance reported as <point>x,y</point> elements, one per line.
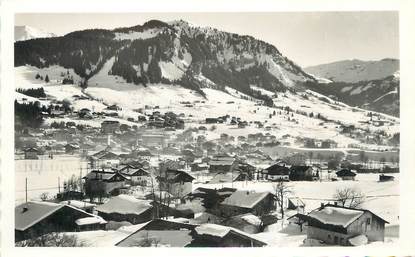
<point>381,95</point>
<point>355,70</point>
<point>22,33</point>
<point>170,53</point>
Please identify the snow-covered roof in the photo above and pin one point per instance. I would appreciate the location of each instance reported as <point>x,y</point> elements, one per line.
<point>251,219</point>
<point>90,220</point>
<point>297,201</point>
<point>125,204</point>
<point>245,199</point>
<point>172,238</point>
<point>28,214</point>
<point>213,230</point>
<point>103,175</point>
<point>78,204</point>
<point>335,215</point>
<point>220,231</point>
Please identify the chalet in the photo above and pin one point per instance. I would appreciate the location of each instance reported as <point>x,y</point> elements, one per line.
<point>346,174</point>
<point>107,181</point>
<point>176,182</point>
<point>126,208</point>
<point>110,126</point>
<point>31,153</point>
<point>33,219</point>
<point>337,225</point>
<point>222,163</point>
<point>241,202</point>
<point>104,158</point>
<point>137,176</point>
<point>211,198</point>
<point>303,173</point>
<point>276,172</point>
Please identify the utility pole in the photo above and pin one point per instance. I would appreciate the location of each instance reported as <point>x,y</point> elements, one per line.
<point>26,188</point>
<point>59,185</point>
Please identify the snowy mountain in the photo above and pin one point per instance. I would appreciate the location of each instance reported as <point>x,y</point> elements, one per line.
<point>22,33</point>
<point>380,95</point>
<point>171,53</point>
<point>355,70</point>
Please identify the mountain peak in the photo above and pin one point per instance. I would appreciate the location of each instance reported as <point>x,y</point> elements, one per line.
<point>25,32</point>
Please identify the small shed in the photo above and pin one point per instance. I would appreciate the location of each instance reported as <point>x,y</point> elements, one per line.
<point>295,203</point>
<point>346,174</point>
<point>31,153</point>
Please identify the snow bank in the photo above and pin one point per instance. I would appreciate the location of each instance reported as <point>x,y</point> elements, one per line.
<point>358,240</point>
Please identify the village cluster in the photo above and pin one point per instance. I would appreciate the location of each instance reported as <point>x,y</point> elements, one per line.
<point>170,186</point>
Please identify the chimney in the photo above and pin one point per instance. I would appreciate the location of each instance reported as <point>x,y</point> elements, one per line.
<point>25,208</point>
<point>335,203</point>
<point>322,205</point>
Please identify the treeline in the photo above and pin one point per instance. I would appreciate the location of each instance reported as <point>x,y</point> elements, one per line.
<point>33,92</point>
<point>373,90</point>
<point>28,115</point>
<point>79,50</point>
<point>145,56</point>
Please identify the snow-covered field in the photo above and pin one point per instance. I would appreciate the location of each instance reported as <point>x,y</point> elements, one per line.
<point>107,89</point>
<point>44,175</point>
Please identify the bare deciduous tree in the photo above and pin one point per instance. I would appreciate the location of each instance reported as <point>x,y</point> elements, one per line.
<point>349,197</point>
<point>44,196</point>
<point>147,241</point>
<point>52,240</point>
<point>281,190</point>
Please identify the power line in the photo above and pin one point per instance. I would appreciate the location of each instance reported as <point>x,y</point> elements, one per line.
<point>331,199</point>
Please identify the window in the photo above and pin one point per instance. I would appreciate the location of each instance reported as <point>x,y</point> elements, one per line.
<point>368,226</point>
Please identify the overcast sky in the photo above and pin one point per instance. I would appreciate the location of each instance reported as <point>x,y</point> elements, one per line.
<point>307,38</point>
